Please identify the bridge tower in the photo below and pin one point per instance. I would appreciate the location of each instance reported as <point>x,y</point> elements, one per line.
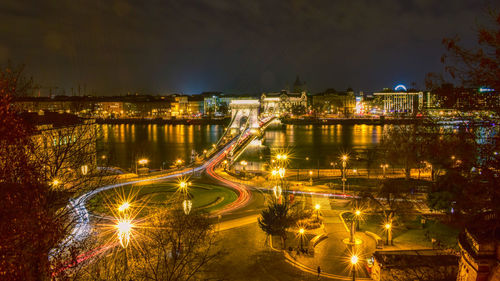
<point>243,111</point>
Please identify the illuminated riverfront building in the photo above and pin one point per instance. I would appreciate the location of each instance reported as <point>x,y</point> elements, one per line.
<point>401,101</point>
<point>335,102</point>
<point>64,141</point>
<point>282,102</point>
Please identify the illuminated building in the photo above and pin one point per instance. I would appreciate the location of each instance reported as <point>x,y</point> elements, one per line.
<point>64,141</point>
<point>401,101</point>
<point>282,102</point>
<point>334,102</point>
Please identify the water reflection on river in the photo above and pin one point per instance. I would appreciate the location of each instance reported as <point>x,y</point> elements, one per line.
<point>165,143</point>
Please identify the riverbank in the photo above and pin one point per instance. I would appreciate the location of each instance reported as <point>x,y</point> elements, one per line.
<point>349,121</point>
<point>161,121</point>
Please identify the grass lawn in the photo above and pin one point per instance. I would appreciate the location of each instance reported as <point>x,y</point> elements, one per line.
<point>409,233</point>
<point>204,196</point>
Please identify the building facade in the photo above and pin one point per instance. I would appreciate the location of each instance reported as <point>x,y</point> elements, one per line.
<point>341,104</point>
<point>401,101</point>
<point>283,102</point>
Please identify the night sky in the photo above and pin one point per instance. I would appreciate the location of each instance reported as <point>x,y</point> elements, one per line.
<point>234,46</point>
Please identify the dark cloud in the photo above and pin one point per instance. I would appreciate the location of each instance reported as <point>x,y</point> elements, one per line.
<point>231,45</point>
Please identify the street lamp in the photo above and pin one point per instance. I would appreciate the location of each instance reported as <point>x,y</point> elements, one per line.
<point>317,207</point>
<point>244,164</point>
<point>357,214</point>
<point>124,206</point>
<point>388,228</point>
<point>183,186</point>
<point>354,263</point>
<point>55,182</point>
<point>384,166</point>
<point>310,177</point>
<point>141,162</point>
<point>124,228</point>
<point>344,159</point>
<point>301,234</point>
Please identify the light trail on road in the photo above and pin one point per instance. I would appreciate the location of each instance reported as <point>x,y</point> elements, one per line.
<point>83,228</point>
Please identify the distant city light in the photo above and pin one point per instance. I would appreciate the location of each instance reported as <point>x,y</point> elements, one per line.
<point>400,87</point>
<point>483,89</point>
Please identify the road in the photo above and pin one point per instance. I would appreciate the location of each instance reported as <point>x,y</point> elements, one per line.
<point>247,256</point>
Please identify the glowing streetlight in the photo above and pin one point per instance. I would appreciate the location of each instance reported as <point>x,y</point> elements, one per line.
<point>141,162</point>
<point>124,228</point>
<point>301,234</point>
<point>357,214</point>
<point>183,185</point>
<point>388,228</point>
<point>55,182</point>
<point>274,172</point>
<point>354,263</point>
<point>124,206</point>
<point>344,158</point>
<point>384,166</point>
<point>317,207</point>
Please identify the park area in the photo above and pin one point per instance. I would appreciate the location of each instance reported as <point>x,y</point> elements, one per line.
<point>204,197</point>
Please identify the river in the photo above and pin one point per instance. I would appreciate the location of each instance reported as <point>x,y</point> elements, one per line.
<point>163,144</point>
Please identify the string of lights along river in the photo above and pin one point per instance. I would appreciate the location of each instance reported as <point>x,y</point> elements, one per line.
<point>163,144</point>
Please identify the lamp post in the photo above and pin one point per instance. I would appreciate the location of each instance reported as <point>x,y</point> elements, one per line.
<point>124,207</point>
<point>124,228</point>
<point>357,214</point>
<point>301,234</point>
<point>388,228</point>
<point>178,162</point>
<point>344,165</point>
<point>354,263</point>
<point>141,162</point>
<point>310,177</point>
<point>384,166</point>
<point>244,164</point>
<point>317,207</point>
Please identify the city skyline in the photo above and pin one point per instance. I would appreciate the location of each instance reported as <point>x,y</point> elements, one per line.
<point>233,47</point>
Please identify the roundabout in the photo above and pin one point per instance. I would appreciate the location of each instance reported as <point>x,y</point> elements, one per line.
<point>205,197</point>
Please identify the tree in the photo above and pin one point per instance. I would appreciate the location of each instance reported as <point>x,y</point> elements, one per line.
<point>479,67</point>
<point>476,67</point>
<point>393,198</point>
<point>171,246</point>
<point>404,145</point>
<point>372,155</point>
<point>27,172</point>
<point>276,220</point>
